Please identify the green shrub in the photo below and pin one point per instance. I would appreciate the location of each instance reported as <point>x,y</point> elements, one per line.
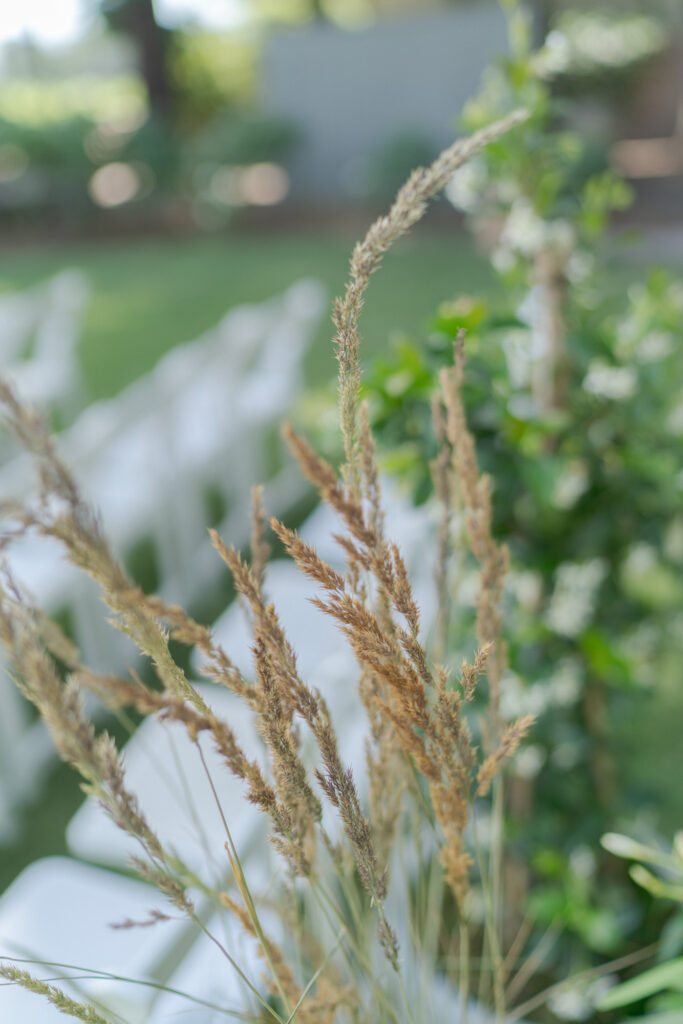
<point>573,395</point>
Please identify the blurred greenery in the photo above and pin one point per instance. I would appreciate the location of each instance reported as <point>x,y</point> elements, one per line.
<point>39,101</point>
<point>392,163</point>
<point>173,117</point>
<point>186,110</point>
<point>150,295</point>
<point>660,873</point>
<point>212,72</point>
<point>572,391</point>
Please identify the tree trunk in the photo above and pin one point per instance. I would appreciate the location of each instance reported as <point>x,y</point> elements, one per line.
<point>136,18</point>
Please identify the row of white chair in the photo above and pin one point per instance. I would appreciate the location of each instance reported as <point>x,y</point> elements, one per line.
<point>39,333</point>
<point>196,420</point>
<point>166,772</point>
<point>201,418</point>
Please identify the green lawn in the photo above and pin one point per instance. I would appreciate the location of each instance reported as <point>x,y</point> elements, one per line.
<point>151,295</point>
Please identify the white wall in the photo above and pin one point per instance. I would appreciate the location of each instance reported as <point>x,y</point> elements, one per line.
<point>351,91</point>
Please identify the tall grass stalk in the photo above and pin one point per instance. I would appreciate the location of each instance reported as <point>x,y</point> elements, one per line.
<point>414,831</point>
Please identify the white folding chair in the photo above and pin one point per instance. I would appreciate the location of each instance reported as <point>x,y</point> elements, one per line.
<point>166,772</point>
<point>50,374</point>
<point>217,431</point>
<point>61,912</point>
<point>143,458</point>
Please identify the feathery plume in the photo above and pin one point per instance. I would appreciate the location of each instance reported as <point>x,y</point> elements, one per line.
<point>407,209</point>
<point>59,999</point>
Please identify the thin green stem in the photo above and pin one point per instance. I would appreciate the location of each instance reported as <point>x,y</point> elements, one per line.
<point>315,977</point>
<point>533,961</point>
<point>464,971</point>
<point>361,958</point>
<point>101,975</point>
<point>496,857</point>
<point>490,928</point>
<point>244,888</point>
<point>404,994</point>
<point>517,945</point>
<point>429,813</point>
<point>593,972</point>
<point>273,1012</point>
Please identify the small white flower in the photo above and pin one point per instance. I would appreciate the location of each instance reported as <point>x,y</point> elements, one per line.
<point>468,590</point>
<point>580,267</point>
<point>529,761</point>
<point>573,600</point>
<point>655,346</point>
<point>475,904</point>
<point>556,53</point>
<point>531,305</point>
<point>503,260</point>
<point>627,334</point>
<point>484,828</point>
<point>576,999</point>
<point>601,985</point>
<point>511,693</point>
<point>537,700</point>
<point>571,1003</point>
<point>517,699</point>
<point>571,484</point>
<point>526,587</point>
<point>465,187</point>
<point>566,682</point>
<point>517,346</point>
<point>524,406</point>
<point>524,231</point>
<point>640,558</point>
<point>615,382</point>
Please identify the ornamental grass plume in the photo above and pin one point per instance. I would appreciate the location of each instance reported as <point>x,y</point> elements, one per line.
<point>69,1007</point>
<point>435,743</point>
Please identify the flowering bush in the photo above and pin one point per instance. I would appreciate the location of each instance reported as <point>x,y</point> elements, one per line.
<point>573,395</point>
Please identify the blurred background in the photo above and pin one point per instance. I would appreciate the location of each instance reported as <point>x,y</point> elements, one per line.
<point>170,137</point>
<point>182,180</point>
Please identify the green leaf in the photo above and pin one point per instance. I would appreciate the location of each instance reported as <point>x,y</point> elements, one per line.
<point>666,976</point>
<point>668,1017</point>
<point>602,657</point>
<point>550,863</point>
<point>465,313</point>
<point>654,885</point>
<point>629,849</point>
